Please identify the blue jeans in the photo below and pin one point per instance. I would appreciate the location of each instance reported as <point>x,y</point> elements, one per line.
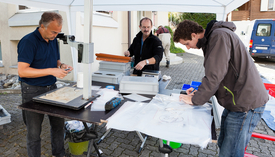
<point>34,120</point>
<point>236,130</point>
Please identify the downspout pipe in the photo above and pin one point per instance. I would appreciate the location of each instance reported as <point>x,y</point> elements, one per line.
<point>129,28</point>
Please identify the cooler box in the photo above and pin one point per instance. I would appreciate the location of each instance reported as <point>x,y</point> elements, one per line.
<point>107,77</point>
<point>140,85</point>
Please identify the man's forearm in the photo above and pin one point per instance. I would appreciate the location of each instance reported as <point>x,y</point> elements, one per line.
<point>151,61</point>
<point>34,73</point>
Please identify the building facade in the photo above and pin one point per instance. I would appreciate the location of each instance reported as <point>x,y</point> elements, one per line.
<point>254,9</point>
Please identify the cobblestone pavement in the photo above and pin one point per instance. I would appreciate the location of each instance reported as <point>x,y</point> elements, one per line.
<point>126,144</point>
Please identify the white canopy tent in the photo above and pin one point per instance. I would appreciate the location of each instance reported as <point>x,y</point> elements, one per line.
<point>220,7</point>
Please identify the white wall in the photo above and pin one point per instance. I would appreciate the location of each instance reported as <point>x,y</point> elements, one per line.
<point>162,19</point>
<point>109,40</point>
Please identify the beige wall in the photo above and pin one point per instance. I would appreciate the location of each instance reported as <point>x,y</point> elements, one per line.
<point>10,36</point>
<point>7,11</point>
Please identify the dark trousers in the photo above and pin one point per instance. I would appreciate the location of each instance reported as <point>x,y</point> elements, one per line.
<point>34,120</point>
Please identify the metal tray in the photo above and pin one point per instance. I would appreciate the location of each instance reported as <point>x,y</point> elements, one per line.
<point>65,97</point>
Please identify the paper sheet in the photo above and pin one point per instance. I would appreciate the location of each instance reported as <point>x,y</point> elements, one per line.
<point>96,87</point>
<point>136,97</point>
<point>166,118</point>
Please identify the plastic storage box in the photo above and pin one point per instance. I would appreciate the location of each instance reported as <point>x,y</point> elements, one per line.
<point>185,86</point>
<point>107,77</point>
<point>269,85</point>
<point>5,117</point>
<point>115,67</point>
<point>195,84</point>
<point>140,85</point>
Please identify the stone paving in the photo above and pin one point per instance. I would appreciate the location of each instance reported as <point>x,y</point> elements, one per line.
<point>126,144</point>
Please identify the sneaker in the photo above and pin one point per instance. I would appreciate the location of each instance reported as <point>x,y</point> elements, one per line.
<point>167,64</point>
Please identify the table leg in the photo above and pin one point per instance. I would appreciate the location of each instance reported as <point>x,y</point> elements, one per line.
<point>89,148</point>
<point>143,140</point>
<point>91,142</point>
<point>102,137</point>
<point>165,150</point>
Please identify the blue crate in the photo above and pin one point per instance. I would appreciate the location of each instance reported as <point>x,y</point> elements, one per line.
<point>195,84</point>
<point>185,86</point>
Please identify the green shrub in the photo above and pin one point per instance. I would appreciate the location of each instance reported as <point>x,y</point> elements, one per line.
<point>173,49</point>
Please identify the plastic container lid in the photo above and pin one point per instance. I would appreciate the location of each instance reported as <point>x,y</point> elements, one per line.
<point>110,87</point>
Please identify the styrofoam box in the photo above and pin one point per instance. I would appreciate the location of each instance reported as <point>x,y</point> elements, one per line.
<point>6,119</point>
<point>140,85</point>
<point>116,66</point>
<point>107,77</point>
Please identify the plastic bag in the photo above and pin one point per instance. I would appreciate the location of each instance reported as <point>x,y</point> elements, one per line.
<point>77,132</point>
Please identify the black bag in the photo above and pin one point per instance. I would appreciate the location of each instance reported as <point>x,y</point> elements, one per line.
<point>81,136</point>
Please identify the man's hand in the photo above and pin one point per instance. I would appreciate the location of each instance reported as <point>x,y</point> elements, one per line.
<point>65,66</point>
<point>127,53</point>
<point>190,91</point>
<point>59,73</point>
<point>186,98</point>
<point>140,65</point>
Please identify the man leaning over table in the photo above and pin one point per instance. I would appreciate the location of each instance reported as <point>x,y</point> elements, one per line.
<point>38,66</point>
<point>231,76</point>
<point>146,48</point>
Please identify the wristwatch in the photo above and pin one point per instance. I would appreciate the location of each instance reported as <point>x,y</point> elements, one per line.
<point>147,62</point>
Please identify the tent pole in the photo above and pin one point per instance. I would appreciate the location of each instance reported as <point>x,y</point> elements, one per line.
<point>87,76</point>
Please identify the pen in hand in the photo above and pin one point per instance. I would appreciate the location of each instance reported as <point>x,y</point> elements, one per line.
<point>194,90</point>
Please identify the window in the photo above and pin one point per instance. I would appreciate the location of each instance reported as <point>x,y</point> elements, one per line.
<point>267,5</point>
<point>270,5</point>
<point>263,29</point>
